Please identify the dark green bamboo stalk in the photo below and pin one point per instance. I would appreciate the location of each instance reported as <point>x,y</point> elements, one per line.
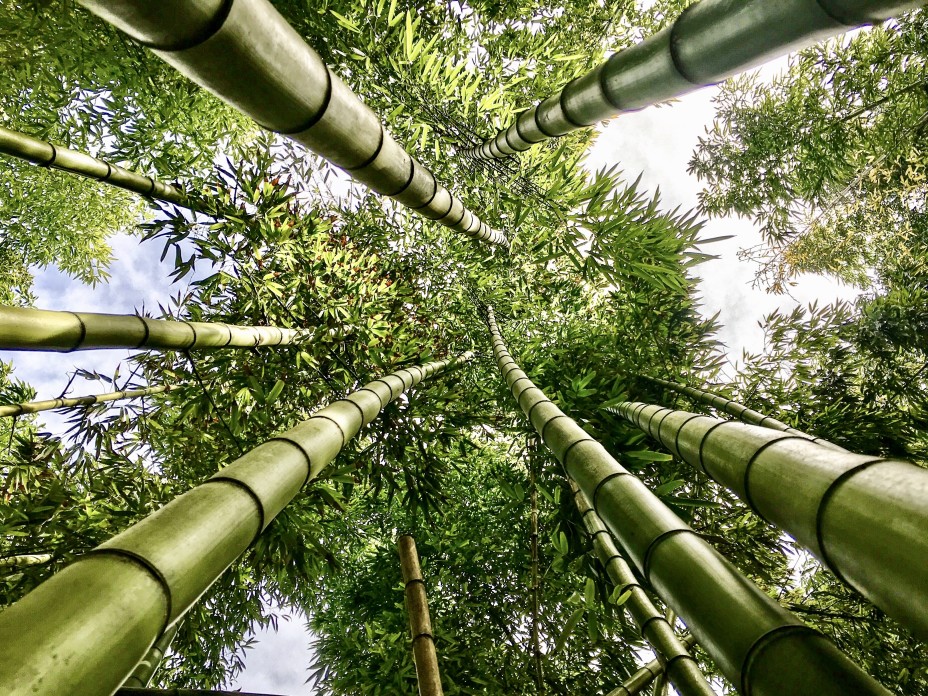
<point>758,645</point>
<point>44,153</point>
<point>246,54</point>
<point>641,679</point>
<point>420,624</point>
<point>709,42</point>
<point>145,670</point>
<point>22,328</point>
<point>50,404</point>
<point>661,684</point>
<point>85,629</point>
<point>865,518</point>
<point>681,668</point>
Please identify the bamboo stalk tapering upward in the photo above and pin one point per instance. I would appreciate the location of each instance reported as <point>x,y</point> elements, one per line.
<point>8,410</point>
<point>144,671</point>
<point>420,623</point>
<point>643,678</point>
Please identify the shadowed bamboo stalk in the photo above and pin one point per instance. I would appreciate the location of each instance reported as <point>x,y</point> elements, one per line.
<point>135,691</point>
<point>420,624</point>
<point>864,517</point>
<point>641,679</point>
<point>86,628</point>
<point>22,328</point>
<point>43,153</point>
<point>680,665</point>
<point>709,42</point>
<point>24,560</point>
<point>246,54</point>
<point>145,670</point>
<point>762,648</point>
<point>661,685</point>
<point>50,404</point>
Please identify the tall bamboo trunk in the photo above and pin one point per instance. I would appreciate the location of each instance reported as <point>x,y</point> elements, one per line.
<point>144,671</point>
<point>758,645</point>
<point>420,623</point>
<point>85,629</point>
<point>8,410</point>
<point>643,678</point>
<point>38,151</point>
<point>246,54</point>
<point>865,518</point>
<point>709,42</point>
<point>681,668</point>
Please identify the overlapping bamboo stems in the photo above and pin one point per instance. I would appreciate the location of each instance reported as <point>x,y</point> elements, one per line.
<point>865,518</point>
<point>762,648</point>
<point>12,410</point>
<point>85,629</point>
<point>144,671</point>
<point>246,54</point>
<point>643,678</point>
<point>23,328</point>
<point>420,623</point>
<point>709,42</point>
<point>46,154</point>
<point>679,665</point>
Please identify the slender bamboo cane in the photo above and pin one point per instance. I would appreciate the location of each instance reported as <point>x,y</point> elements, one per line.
<point>145,670</point>
<point>22,328</point>
<point>43,153</point>
<point>865,518</point>
<point>246,54</point>
<point>24,560</point>
<point>85,629</point>
<point>709,42</point>
<point>679,664</point>
<point>537,657</point>
<point>420,624</point>
<point>641,679</point>
<point>757,644</point>
<point>50,404</point>
<point>661,685</point>
<point>135,691</point>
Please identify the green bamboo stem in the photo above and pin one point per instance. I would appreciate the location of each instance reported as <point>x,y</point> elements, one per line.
<point>24,560</point>
<point>661,685</point>
<point>43,153</point>
<point>12,410</point>
<point>135,691</point>
<point>681,667</point>
<point>709,42</point>
<point>643,678</point>
<point>537,657</point>
<point>86,628</point>
<point>758,645</point>
<point>22,328</point>
<point>145,670</point>
<point>864,517</point>
<point>420,624</point>
<point>246,54</point>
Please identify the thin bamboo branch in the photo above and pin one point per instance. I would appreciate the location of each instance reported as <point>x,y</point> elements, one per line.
<point>13,410</point>
<point>144,671</point>
<point>24,560</point>
<point>641,679</point>
<point>420,623</point>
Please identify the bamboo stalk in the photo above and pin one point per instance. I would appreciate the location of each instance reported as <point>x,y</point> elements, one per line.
<point>641,679</point>
<point>135,691</point>
<point>758,645</point>
<point>708,43</point>
<point>246,54</point>
<point>85,629</point>
<point>13,410</point>
<point>37,151</point>
<point>681,667</point>
<point>24,560</point>
<point>864,517</point>
<point>145,670</point>
<point>661,685</point>
<point>420,623</point>
<point>22,328</point>
<point>537,657</point>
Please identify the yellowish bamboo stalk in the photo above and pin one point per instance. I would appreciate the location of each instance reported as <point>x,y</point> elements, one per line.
<point>12,410</point>
<point>420,623</point>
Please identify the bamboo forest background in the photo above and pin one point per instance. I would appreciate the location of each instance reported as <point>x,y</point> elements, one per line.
<point>599,289</point>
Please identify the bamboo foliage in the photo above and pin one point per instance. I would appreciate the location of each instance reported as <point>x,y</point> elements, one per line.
<point>420,623</point>
<point>762,648</point>
<point>643,678</point>
<point>247,54</point>
<point>709,42</point>
<point>85,629</point>
<point>863,517</point>
<point>14,410</point>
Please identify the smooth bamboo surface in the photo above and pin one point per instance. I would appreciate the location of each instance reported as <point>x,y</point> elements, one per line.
<point>643,678</point>
<point>43,153</point>
<point>22,328</point>
<point>246,54</point>
<point>84,630</point>
<point>12,410</point>
<point>762,648</point>
<point>709,42</point>
<point>865,518</point>
<point>144,671</point>
<point>681,667</point>
<point>420,623</point>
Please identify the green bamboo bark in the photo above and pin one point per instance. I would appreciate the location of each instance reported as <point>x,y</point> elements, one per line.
<point>45,154</point>
<point>145,670</point>
<point>762,648</point>
<point>22,328</point>
<point>420,623</point>
<point>709,42</point>
<point>643,678</point>
<point>12,410</point>
<point>246,54</point>
<point>681,668</point>
<point>85,629</point>
<point>865,518</point>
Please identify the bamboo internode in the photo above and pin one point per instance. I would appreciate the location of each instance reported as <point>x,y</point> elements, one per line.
<point>680,666</point>
<point>85,629</point>
<point>43,153</point>
<point>758,645</point>
<point>246,54</point>
<point>864,517</point>
<point>641,679</point>
<point>709,42</point>
<point>22,328</point>
<point>420,623</point>
<point>12,410</point>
